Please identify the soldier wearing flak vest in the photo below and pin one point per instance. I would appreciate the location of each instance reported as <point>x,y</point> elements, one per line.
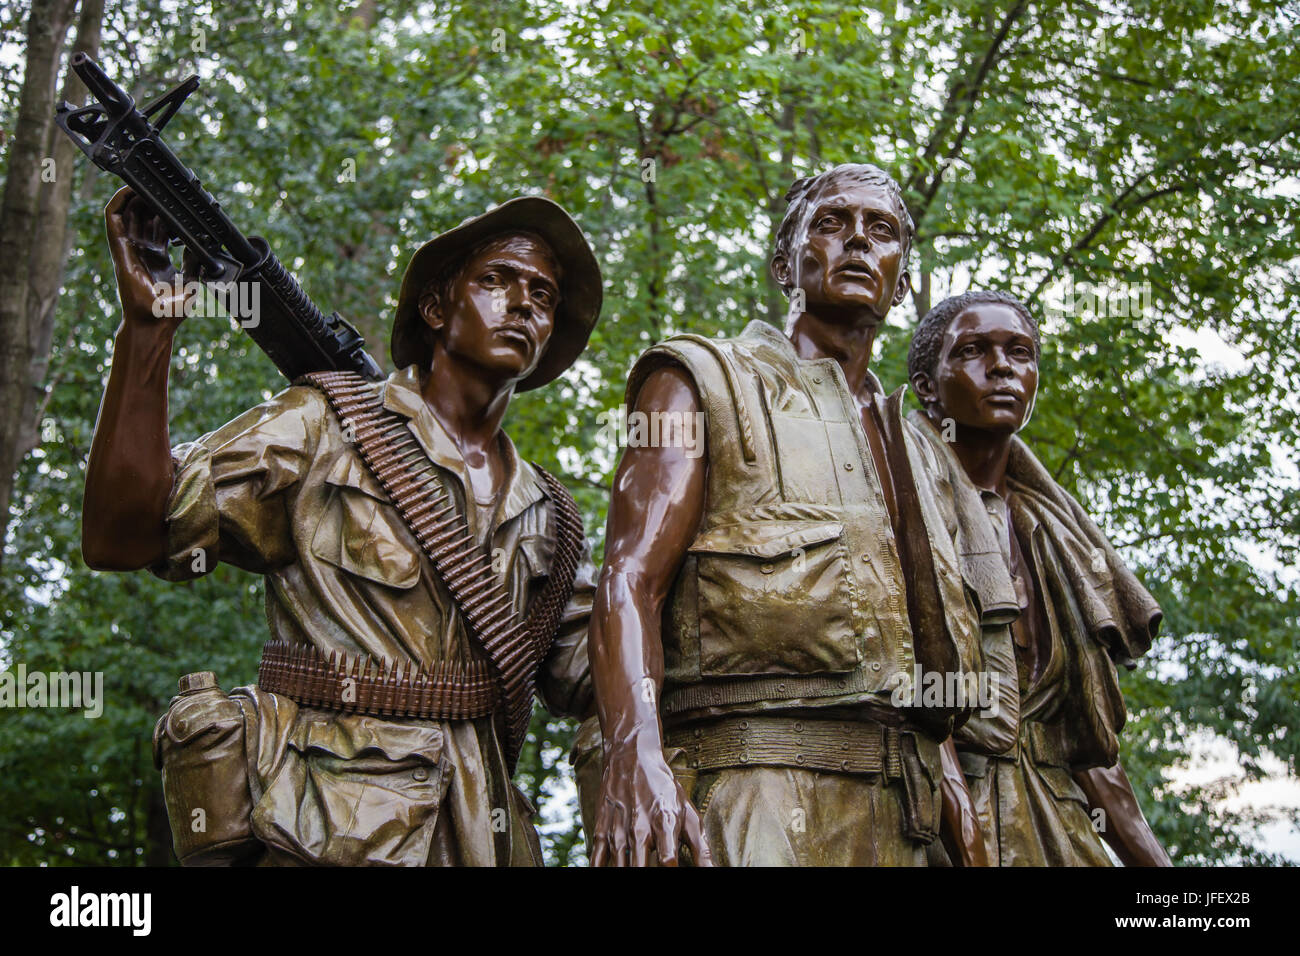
<point>1044,770</point>
<point>398,531</point>
<point>760,604</point>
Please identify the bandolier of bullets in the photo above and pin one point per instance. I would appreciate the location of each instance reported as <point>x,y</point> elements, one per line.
<point>514,647</point>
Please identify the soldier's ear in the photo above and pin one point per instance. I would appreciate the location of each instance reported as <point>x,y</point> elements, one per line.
<point>904,287</point>
<point>780,268</point>
<point>923,385</point>
<point>430,307</point>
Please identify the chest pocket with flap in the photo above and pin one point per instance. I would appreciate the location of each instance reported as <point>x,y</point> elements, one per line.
<point>775,597</point>
<point>537,553</point>
<point>362,532</point>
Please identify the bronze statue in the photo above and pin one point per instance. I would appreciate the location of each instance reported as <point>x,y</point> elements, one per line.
<point>1045,771</point>
<point>759,604</point>
<point>421,577</point>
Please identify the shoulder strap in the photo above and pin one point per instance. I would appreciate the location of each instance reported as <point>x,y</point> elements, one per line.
<point>515,648</point>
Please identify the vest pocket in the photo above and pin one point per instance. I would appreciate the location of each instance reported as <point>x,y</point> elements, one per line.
<point>775,597</point>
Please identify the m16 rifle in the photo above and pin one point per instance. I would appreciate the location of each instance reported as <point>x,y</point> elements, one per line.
<point>125,141</point>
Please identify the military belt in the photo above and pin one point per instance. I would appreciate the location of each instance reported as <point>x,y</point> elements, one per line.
<point>361,684</point>
<point>1045,743</point>
<point>837,746</point>
<point>861,747</point>
<point>682,700</point>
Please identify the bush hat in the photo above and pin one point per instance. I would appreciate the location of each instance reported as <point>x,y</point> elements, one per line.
<point>580,286</point>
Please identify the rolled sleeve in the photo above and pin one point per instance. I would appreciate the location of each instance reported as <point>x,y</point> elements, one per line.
<point>193,522</point>
<point>234,488</point>
<point>564,683</point>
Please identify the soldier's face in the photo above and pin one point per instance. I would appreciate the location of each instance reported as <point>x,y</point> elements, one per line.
<point>852,261</point>
<point>987,374</point>
<point>500,309</point>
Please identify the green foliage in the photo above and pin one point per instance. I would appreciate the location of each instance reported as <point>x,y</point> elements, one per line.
<point>1039,144</point>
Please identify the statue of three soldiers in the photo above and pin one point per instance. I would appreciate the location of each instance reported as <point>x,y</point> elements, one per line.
<point>842,635</point>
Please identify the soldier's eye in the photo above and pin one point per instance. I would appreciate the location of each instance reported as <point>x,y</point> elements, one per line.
<point>828,222</point>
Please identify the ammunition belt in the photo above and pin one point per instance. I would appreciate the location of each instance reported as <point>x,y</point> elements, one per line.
<point>361,684</point>
<point>836,746</point>
<point>515,647</point>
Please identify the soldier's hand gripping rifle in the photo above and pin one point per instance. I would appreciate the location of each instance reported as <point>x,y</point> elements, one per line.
<point>124,141</point>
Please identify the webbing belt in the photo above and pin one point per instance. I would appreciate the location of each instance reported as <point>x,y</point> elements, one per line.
<point>838,746</point>
<point>858,747</point>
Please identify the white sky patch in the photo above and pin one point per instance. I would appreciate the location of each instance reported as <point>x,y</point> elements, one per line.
<point>1215,758</point>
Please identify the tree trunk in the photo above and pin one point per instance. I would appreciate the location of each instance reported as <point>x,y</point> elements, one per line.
<point>20,231</point>
<point>921,293</point>
<point>53,243</point>
<point>365,14</point>
<point>778,307</point>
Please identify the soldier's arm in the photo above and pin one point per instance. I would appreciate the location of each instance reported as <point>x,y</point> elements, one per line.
<point>1124,828</point>
<point>129,475</point>
<point>959,829</point>
<point>179,511</point>
<point>655,513</point>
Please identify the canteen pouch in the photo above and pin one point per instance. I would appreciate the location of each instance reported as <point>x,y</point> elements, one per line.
<point>199,745</point>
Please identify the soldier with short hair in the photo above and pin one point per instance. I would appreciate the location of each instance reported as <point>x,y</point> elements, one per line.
<point>1044,771</point>
<point>760,604</point>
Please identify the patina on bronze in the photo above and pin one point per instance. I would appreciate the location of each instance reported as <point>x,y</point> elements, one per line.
<point>514,647</point>
<point>758,603</point>
<point>405,767</point>
<point>1044,772</point>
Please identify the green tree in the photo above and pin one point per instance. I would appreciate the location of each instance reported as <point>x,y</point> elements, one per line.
<point>1129,168</point>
